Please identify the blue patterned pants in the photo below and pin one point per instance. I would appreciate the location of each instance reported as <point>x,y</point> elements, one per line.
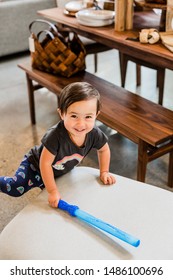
<point>25,178</point>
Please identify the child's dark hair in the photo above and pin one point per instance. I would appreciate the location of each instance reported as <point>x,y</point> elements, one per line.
<point>75,92</point>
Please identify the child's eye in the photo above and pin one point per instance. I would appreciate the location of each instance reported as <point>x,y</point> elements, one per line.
<point>88,117</point>
<point>73,116</point>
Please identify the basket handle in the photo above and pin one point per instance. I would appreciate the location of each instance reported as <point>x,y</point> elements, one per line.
<point>44,21</point>
<point>47,33</point>
<point>54,28</point>
<point>63,33</point>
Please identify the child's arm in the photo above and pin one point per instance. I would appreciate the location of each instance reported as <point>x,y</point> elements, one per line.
<point>47,175</point>
<point>104,161</point>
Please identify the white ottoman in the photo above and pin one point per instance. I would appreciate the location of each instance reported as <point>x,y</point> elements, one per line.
<point>41,232</point>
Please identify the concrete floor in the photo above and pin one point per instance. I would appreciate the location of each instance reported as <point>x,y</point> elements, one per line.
<point>17,135</point>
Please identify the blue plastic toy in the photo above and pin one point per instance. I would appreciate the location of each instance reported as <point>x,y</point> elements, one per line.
<point>74,210</point>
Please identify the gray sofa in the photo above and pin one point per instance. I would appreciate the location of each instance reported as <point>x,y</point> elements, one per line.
<point>15,16</point>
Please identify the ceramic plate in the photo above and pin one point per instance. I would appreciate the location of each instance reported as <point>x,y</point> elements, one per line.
<point>95,14</point>
<point>95,23</point>
<point>75,6</point>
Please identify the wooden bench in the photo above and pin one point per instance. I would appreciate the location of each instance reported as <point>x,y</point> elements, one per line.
<point>148,124</point>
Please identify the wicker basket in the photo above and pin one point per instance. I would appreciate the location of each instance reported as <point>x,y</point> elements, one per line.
<point>57,53</point>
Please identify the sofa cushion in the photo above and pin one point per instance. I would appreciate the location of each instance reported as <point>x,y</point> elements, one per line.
<point>13,41</point>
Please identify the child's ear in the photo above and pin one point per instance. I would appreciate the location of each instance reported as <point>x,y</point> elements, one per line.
<point>97,114</point>
<point>59,112</point>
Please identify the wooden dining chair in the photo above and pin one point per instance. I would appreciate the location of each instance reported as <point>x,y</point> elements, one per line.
<point>159,70</point>
<point>94,48</point>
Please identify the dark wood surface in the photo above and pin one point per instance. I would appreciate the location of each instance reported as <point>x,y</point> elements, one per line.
<point>156,54</point>
<point>132,115</point>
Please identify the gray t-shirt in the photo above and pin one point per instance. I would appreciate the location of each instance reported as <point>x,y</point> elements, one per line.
<point>67,154</point>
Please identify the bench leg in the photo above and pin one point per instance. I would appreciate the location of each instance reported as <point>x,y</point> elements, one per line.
<point>31,98</point>
<point>170,172</point>
<point>142,160</point>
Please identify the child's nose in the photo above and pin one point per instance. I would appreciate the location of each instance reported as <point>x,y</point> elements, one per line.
<point>80,122</point>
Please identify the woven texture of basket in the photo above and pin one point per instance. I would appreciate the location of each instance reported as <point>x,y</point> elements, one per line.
<point>57,54</point>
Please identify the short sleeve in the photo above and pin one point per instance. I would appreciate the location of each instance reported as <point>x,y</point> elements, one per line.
<point>100,139</point>
<point>50,140</point>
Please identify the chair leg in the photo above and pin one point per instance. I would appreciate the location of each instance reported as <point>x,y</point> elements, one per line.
<point>138,74</point>
<point>95,62</point>
<point>157,79</point>
<point>123,68</point>
<point>160,83</point>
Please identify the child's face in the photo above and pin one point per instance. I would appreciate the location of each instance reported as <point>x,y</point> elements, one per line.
<point>80,117</point>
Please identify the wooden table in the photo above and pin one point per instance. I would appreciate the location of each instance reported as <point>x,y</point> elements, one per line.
<point>157,55</point>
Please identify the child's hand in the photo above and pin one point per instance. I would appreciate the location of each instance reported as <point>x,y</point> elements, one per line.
<point>107,178</point>
<point>54,198</point>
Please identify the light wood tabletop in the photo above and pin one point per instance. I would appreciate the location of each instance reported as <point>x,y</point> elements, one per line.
<point>156,54</point>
